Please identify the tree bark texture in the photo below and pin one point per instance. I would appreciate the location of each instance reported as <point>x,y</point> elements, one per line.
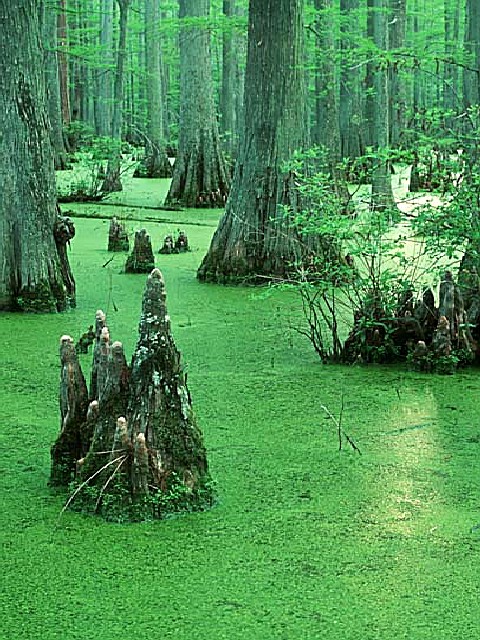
<point>451,94</point>
<point>471,82</point>
<point>62,31</point>
<point>31,278</point>
<point>327,120</point>
<point>397,21</point>
<point>382,194</point>
<point>137,446</point>
<point>352,137</point>
<point>52,81</point>
<point>231,98</point>
<point>255,238</point>
<point>200,177</point>
<point>104,78</point>
<point>112,180</point>
<point>156,160</point>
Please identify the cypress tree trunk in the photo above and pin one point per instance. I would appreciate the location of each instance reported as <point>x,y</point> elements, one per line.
<point>369,90</point>
<point>53,85</point>
<point>352,138</point>
<point>451,97</point>
<point>31,277</point>
<point>156,160</point>
<point>112,180</point>
<point>231,97</point>
<point>200,177</point>
<point>254,237</point>
<point>327,120</point>
<point>382,194</point>
<point>471,82</point>
<point>62,31</point>
<point>397,95</point>
<point>103,103</point>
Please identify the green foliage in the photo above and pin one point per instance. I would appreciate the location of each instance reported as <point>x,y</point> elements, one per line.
<point>85,182</point>
<point>362,274</point>
<point>298,526</point>
<point>116,504</point>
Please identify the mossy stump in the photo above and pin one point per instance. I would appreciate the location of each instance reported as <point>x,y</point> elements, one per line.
<point>135,452</point>
<point>117,236</point>
<point>141,260</point>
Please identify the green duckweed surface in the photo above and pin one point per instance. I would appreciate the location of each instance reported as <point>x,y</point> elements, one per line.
<point>306,541</point>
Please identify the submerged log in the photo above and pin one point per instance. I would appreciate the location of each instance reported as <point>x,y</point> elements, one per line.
<point>141,260</point>
<point>144,455</point>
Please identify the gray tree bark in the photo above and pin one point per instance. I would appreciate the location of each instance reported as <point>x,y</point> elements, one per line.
<point>326,130</point>
<point>156,160</point>
<point>397,104</point>
<point>231,97</point>
<point>31,278</point>
<point>254,237</point>
<point>52,82</point>
<point>471,82</point>
<point>104,76</point>
<point>451,95</point>
<point>382,194</point>
<point>112,180</point>
<point>200,177</point>
<point>62,34</point>
<point>352,138</point>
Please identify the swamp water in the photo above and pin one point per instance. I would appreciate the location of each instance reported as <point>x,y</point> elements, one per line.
<point>307,541</point>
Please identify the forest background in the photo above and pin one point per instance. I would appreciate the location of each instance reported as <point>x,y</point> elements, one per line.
<point>300,529</point>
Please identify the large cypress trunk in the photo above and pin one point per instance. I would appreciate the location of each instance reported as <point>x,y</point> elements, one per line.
<point>200,177</point>
<point>254,237</point>
<point>31,278</point>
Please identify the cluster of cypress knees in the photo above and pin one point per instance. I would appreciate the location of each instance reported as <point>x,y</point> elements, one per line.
<point>142,260</point>
<point>129,447</point>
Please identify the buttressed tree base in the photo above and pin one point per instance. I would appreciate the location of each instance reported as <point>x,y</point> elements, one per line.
<point>130,447</point>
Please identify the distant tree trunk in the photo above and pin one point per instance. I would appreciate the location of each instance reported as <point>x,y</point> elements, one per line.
<point>326,131</point>
<point>451,97</point>
<point>471,82</point>
<point>156,160</point>
<point>397,20</point>
<point>369,90</point>
<point>63,61</point>
<point>255,237</point>
<point>53,85</point>
<point>200,176</point>
<point>112,180</point>
<point>103,105</point>
<point>418,80</point>
<point>352,138</point>
<point>31,277</point>
<point>382,194</point>
<point>231,97</point>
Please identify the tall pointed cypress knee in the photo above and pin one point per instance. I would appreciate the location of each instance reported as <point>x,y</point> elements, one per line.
<point>146,456</point>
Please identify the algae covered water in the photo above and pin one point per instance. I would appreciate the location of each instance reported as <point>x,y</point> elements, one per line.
<point>306,541</point>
